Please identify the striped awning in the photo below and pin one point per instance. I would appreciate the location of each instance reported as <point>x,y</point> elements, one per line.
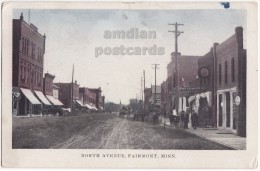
<point>54,101</point>
<point>79,102</point>
<point>29,95</point>
<point>42,97</point>
<point>88,106</point>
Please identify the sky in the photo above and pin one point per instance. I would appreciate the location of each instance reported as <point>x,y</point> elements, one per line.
<point>72,37</point>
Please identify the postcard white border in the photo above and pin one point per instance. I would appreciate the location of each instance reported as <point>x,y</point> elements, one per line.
<point>67,158</point>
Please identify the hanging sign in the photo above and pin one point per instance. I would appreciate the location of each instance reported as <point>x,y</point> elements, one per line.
<point>204,72</point>
<point>237,100</point>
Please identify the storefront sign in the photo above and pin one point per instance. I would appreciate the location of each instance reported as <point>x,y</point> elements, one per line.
<point>237,100</point>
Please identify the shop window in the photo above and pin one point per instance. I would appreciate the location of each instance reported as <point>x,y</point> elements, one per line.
<point>174,80</point>
<point>233,69</point>
<point>23,45</point>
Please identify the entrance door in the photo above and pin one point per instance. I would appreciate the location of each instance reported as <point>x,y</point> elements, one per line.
<point>228,109</point>
<point>220,112</point>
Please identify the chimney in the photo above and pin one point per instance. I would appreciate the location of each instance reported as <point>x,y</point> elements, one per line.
<point>75,81</point>
<point>239,36</point>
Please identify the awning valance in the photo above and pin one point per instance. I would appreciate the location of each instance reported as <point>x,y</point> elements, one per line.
<point>54,101</point>
<point>42,97</point>
<point>29,95</point>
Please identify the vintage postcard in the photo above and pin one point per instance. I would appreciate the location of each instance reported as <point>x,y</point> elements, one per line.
<point>129,85</point>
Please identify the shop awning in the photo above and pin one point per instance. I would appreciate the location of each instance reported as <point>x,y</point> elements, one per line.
<point>93,107</point>
<point>101,108</point>
<point>29,95</point>
<point>54,101</point>
<point>42,97</point>
<point>79,102</point>
<point>88,106</point>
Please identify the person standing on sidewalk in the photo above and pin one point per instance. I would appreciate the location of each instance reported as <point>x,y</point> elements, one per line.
<point>186,119</point>
<point>194,119</point>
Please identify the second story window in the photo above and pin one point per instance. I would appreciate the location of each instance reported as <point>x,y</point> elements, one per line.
<point>23,45</point>
<point>226,72</point>
<point>233,69</point>
<point>219,74</point>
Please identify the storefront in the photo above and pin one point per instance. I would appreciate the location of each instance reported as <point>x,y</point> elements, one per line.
<point>202,105</point>
<point>226,116</point>
<point>28,103</point>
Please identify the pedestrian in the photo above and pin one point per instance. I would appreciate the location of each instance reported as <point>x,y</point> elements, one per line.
<point>182,118</point>
<point>194,119</point>
<point>186,120</point>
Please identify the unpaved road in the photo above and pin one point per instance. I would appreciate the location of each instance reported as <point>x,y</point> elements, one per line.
<point>101,131</point>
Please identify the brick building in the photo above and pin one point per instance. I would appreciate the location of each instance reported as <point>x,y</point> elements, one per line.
<point>102,103</point>
<point>230,82</point>
<point>222,77</point>
<point>28,57</point>
<point>163,94</point>
<point>49,88</point>
<point>65,94</point>
<point>48,83</point>
<point>99,101</point>
<point>87,97</point>
<point>188,72</point>
<point>147,98</point>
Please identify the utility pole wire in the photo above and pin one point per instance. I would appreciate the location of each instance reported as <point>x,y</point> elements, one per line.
<point>177,33</point>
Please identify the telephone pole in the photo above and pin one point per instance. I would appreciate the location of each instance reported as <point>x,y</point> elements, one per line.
<point>155,68</point>
<point>142,88</point>
<point>72,85</point>
<point>177,33</point>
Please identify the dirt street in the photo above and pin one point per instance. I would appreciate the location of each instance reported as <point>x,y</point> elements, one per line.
<point>101,131</point>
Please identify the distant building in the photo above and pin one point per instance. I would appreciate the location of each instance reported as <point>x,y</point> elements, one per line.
<point>49,89</point>
<point>87,97</point>
<point>156,95</point>
<point>47,84</point>
<point>99,103</point>
<point>163,94</point>
<point>55,91</point>
<point>28,57</point>
<point>102,103</point>
<point>147,98</point>
<point>65,94</point>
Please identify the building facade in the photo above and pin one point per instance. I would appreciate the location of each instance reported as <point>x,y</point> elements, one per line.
<point>98,92</point>
<point>178,83</point>
<point>48,84</point>
<point>28,57</point>
<point>230,65</point>
<point>68,93</point>
<point>87,96</point>
<point>55,91</point>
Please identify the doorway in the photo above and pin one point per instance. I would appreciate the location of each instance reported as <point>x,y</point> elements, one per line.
<point>220,115</point>
<point>228,109</point>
